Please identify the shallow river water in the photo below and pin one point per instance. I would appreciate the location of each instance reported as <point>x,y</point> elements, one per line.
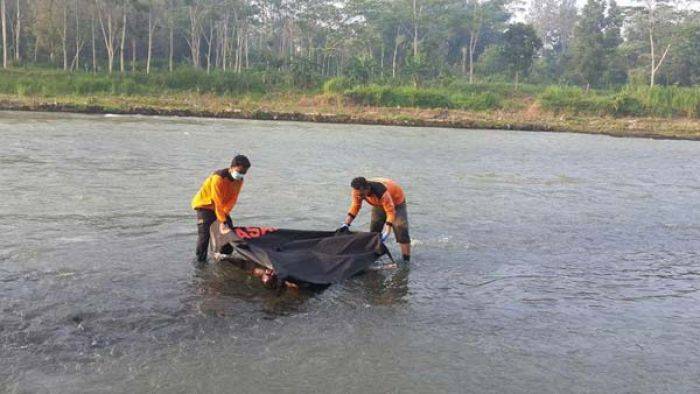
<point>542,262</point>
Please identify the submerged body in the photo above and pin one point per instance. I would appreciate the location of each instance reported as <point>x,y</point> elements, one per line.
<point>299,256</point>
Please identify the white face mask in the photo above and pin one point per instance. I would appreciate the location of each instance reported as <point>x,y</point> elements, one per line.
<point>237,175</point>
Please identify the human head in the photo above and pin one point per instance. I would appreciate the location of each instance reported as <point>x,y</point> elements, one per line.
<point>240,164</point>
<point>361,185</point>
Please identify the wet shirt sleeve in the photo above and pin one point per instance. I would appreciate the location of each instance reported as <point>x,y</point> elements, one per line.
<point>224,198</point>
<point>388,205</point>
<point>356,203</point>
<point>237,186</point>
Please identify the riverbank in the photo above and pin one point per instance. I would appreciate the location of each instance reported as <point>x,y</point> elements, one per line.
<point>327,108</point>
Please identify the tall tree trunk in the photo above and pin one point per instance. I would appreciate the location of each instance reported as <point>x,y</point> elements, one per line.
<point>94,48</point>
<point>123,42</point>
<point>3,10</point>
<point>474,32</point>
<point>18,32</point>
<point>415,29</point>
<point>64,36</point>
<point>382,60</point>
<point>473,40</point>
<point>651,43</point>
<point>36,48</point>
<point>396,52</point>
<point>464,60</point>
<point>107,34</point>
<point>133,55</point>
<point>245,41</point>
<point>654,64</point>
<point>237,64</point>
<point>217,47</point>
<point>150,40</point>
<point>195,36</point>
<point>170,52</point>
<point>78,42</point>
<point>209,42</point>
<point>224,42</point>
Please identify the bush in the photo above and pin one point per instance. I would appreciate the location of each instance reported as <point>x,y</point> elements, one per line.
<point>575,100</point>
<point>53,83</point>
<point>665,101</point>
<point>337,85</point>
<point>626,105</point>
<point>91,85</point>
<point>385,96</point>
<point>446,92</point>
<point>477,102</point>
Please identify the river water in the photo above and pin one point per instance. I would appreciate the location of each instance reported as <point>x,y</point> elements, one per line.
<point>542,262</point>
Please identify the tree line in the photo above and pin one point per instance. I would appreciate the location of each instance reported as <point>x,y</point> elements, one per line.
<point>601,45</point>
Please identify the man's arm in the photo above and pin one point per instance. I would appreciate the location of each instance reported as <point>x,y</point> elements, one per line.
<point>390,210</point>
<point>355,206</point>
<point>220,208</point>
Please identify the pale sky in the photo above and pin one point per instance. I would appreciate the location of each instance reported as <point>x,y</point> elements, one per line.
<point>682,4</point>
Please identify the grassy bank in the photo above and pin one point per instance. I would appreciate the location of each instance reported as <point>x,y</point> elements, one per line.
<point>664,112</point>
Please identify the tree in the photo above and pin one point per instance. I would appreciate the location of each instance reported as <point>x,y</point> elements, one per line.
<point>520,44</point>
<point>3,16</point>
<point>683,66</point>
<point>589,44</point>
<point>154,9</point>
<point>195,12</point>
<point>122,42</point>
<point>654,34</point>
<point>411,40</point>
<point>474,25</point>
<point>106,15</point>
<point>615,64</point>
<point>652,6</point>
<point>554,21</point>
<point>18,31</point>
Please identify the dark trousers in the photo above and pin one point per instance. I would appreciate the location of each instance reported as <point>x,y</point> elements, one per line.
<point>205,217</point>
<point>400,224</point>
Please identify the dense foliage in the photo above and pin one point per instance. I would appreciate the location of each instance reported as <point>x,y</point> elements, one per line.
<point>386,42</point>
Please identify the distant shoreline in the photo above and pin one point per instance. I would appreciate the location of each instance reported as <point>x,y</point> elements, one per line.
<point>221,108</point>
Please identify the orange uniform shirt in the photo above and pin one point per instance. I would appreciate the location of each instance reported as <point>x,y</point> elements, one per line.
<point>218,193</point>
<point>393,195</point>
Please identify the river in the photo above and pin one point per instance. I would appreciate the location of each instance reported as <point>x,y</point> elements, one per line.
<point>542,262</point>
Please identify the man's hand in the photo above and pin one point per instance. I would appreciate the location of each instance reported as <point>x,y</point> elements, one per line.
<point>386,233</point>
<point>223,228</point>
<point>344,228</point>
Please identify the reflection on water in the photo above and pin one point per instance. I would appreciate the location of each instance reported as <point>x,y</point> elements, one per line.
<point>542,263</point>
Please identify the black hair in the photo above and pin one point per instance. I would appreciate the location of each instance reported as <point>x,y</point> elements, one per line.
<point>240,160</point>
<point>359,183</point>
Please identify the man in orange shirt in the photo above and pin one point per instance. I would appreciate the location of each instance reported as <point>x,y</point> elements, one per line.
<point>388,212</point>
<point>215,200</point>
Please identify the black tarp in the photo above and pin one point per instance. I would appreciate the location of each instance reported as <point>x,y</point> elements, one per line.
<point>318,257</point>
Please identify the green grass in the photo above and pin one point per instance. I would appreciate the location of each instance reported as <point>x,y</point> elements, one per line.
<point>405,96</point>
<point>630,101</point>
<point>660,101</point>
<point>58,83</point>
